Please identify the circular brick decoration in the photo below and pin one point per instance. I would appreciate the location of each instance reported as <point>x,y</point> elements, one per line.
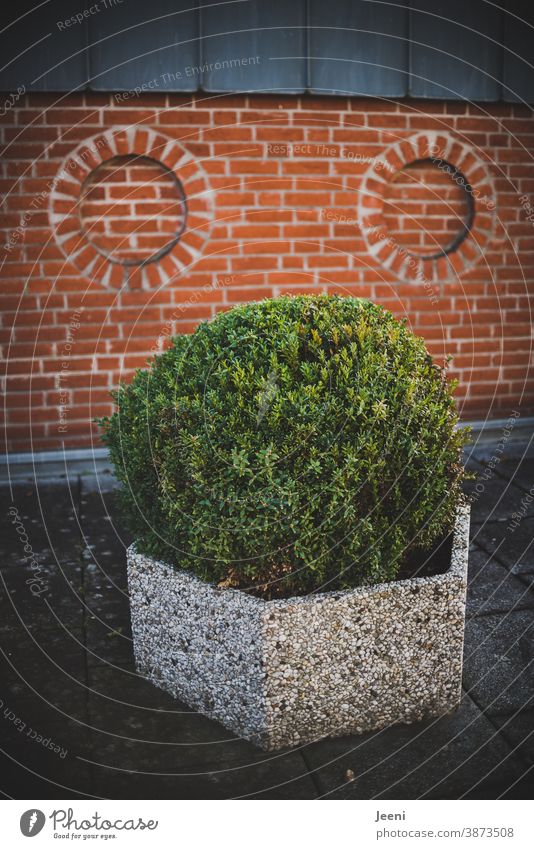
<point>129,252</point>
<point>417,252</point>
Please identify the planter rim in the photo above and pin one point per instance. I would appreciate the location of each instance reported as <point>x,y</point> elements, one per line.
<point>457,568</point>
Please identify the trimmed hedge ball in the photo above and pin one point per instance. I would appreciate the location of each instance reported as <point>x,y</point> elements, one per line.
<point>294,445</point>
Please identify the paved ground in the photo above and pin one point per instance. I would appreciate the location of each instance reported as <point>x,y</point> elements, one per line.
<point>77,721</point>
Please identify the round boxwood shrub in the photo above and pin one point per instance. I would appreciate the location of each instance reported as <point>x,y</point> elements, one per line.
<point>287,446</point>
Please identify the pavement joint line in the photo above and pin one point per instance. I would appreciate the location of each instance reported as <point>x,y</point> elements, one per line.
<point>500,728</point>
<point>513,784</point>
<point>485,522</point>
<point>501,473</point>
<point>504,473</point>
<point>83,578</point>
<point>312,773</point>
<point>484,613</point>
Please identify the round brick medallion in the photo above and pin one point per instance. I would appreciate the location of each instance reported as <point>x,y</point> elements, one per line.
<point>131,207</point>
<point>426,207</point>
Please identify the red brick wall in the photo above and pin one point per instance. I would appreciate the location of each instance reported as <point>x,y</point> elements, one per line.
<point>283,195</point>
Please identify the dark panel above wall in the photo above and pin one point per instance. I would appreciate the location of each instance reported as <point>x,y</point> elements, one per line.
<point>154,47</point>
<point>455,49</point>
<point>254,46</point>
<point>518,81</point>
<point>358,47</point>
<point>44,48</point>
<point>450,49</point>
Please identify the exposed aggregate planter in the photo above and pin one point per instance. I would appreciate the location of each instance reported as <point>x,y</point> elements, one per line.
<point>290,671</point>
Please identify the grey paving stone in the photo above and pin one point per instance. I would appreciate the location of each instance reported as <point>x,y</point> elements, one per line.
<point>28,718</point>
<point>109,639</point>
<point>519,788</point>
<point>491,588</point>
<point>57,606</point>
<point>114,690</point>
<point>30,771</point>
<point>47,652</point>
<point>48,669</point>
<point>492,499</point>
<point>103,531</point>
<point>519,470</point>
<point>106,616</point>
<point>124,775</point>
<point>518,729</point>
<point>49,514</point>
<point>499,661</point>
<point>443,759</point>
<point>49,519</point>
<point>513,547</point>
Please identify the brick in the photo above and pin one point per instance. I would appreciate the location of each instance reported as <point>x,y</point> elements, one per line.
<point>257,293</point>
<point>258,231</point>
<point>307,198</point>
<point>243,134</point>
<point>234,198</point>
<point>266,247</point>
<point>180,117</point>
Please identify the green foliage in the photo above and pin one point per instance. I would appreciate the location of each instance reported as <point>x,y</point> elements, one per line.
<point>287,446</point>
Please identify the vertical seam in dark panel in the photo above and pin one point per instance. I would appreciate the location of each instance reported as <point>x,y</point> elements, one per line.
<point>307,22</point>
<point>88,74</point>
<point>407,51</point>
<point>200,47</point>
<point>409,11</point>
<point>502,59</point>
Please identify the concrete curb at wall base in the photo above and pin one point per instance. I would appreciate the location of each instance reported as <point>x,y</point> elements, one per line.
<point>512,437</point>
<point>55,466</point>
<point>291,671</point>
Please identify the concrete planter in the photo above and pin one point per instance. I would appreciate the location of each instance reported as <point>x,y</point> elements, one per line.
<point>280,673</point>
